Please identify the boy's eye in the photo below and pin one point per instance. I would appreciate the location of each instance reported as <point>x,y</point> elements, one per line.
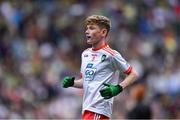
<point>92,28</point>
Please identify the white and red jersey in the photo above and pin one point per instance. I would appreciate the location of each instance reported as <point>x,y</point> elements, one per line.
<point>99,66</point>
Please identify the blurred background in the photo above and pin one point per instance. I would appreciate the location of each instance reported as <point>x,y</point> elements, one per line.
<point>41,42</point>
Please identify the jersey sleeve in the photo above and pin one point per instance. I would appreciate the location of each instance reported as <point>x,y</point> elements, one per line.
<point>121,64</point>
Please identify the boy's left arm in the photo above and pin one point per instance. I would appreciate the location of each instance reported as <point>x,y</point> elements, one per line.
<point>112,90</point>
<point>130,78</point>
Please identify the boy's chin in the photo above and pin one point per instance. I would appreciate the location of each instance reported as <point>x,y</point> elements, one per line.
<point>89,42</point>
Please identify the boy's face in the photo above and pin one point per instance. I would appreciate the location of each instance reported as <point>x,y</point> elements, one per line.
<point>94,33</point>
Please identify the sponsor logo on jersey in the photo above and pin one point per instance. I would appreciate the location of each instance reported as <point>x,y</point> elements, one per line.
<point>89,65</point>
<point>103,58</point>
<point>85,55</point>
<point>94,54</point>
<point>89,74</point>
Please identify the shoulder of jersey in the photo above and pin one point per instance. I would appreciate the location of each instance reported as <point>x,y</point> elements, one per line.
<point>110,51</point>
<point>87,50</point>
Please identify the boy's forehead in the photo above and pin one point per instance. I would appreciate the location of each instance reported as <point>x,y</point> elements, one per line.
<point>92,24</point>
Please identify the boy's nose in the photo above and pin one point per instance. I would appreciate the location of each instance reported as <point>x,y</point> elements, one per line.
<point>86,31</point>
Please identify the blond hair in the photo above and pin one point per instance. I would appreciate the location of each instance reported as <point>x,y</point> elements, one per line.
<point>101,21</point>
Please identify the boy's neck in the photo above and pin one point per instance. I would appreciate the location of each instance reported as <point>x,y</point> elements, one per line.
<point>98,44</point>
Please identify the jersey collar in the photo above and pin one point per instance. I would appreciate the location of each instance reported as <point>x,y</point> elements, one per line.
<point>101,47</point>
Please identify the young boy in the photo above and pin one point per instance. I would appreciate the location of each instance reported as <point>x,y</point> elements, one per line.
<point>98,67</point>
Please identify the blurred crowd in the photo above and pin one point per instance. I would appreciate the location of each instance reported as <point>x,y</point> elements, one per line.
<point>41,42</point>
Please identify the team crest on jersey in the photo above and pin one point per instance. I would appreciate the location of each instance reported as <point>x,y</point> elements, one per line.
<point>103,58</point>
<point>89,65</point>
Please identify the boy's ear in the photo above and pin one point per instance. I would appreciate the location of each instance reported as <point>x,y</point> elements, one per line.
<point>104,32</point>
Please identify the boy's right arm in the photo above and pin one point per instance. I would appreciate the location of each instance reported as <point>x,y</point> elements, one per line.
<point>78,83</point>
<point>71,82</point>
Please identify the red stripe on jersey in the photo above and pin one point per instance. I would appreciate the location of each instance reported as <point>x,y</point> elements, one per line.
<point>109,51</point>
<point>128,71</point>
<point>108,48</point>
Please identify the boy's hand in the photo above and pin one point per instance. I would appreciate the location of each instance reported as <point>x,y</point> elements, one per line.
<point>68,82</point>
<point>110,90</point>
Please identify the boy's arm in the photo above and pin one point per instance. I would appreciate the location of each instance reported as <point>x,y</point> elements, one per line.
<point>78,83</point>
<point>129,79</point>
<point>112,90</point>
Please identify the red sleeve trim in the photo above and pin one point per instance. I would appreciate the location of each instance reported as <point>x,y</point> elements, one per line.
<point>128,71</point>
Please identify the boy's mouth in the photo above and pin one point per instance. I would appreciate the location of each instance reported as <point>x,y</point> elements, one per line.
<point>88,37</point>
